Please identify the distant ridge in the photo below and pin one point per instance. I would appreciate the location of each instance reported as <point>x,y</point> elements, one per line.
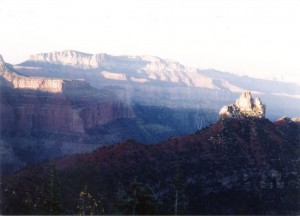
<point>152,80</point>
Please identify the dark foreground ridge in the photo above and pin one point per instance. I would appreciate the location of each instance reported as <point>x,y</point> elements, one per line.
<point>235,166</point>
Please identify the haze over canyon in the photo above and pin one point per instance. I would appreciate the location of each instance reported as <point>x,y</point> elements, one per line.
<point>65,102</point>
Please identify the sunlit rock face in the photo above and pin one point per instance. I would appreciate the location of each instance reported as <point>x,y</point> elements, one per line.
<point>245,106</point>
<point>136,69</point>
<point>55,105</point>
<point>18,81</point>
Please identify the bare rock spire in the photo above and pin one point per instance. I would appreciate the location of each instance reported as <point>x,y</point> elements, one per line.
<point>245,106</point>
<point>2,63</point>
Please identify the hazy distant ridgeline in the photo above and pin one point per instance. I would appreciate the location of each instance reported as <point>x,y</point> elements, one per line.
<point>154,81</point>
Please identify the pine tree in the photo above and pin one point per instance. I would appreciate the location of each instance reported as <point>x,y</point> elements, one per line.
<point>52,200</point>
<point>87,204</point>
<point>138,199</point>
<point>179,201</point>
<point>38,202</point>
<point>46,199</point>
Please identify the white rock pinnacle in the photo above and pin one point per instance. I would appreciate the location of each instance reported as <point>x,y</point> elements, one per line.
<point>245,106</point>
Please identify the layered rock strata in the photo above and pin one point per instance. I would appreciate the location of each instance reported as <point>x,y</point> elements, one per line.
<point>37,103</point>
<point>18,81</point>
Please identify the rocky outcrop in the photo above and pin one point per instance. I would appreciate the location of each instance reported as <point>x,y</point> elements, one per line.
<point>2,63</point>
<point>296,120</point>
<point>244,107</point>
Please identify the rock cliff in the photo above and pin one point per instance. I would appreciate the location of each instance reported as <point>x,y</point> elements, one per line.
<point>245,106</point>
<point>55,104</point>
<point>42,118</point>
<point>134,69</point>
<point>18,81</point>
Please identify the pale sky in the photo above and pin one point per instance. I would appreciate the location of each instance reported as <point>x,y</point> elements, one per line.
<point>259,38</point>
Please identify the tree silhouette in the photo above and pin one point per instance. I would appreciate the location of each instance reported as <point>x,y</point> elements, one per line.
<point>136,200</point>
<point>52,199</point>
<point>179,201</point>
<point>45,199</point>
<point>87,204</point>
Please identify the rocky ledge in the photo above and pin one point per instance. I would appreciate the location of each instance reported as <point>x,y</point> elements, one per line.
<point>245,106</point>
<point>51,85</point>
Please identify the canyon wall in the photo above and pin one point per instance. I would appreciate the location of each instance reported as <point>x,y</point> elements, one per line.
<point>36,103</point>
<point>26,110</point>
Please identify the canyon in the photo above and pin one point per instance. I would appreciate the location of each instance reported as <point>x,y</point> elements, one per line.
<point>44,118</point>
<point>84,121</point>
<point>69,102</point>
<point>40,115</point>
